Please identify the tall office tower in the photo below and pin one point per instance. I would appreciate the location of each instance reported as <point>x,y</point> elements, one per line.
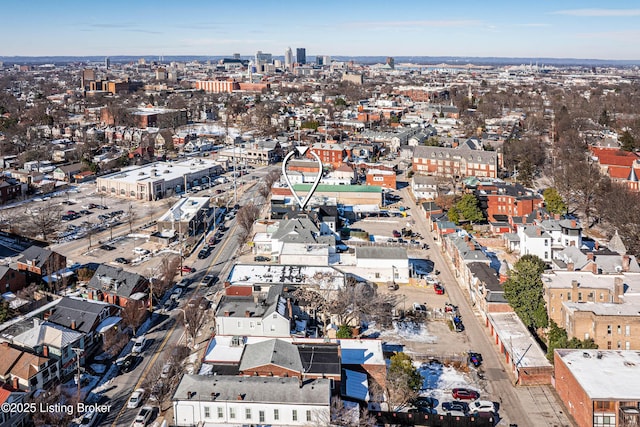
<point>288,58</point>
<point>391,62</point>
<point>261,60</point>
<point>107,62</point>
<point>88,75</point>
<point>301,55</point>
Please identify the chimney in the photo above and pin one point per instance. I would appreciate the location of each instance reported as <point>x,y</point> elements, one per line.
<point>73,325</point>
<point>570,266</point>
<point>626,261</point>
<point>597,246</point>
<point>227,284</point>
<point>226,314</point>
<point>289,308</point>
<point>573,223</point>
<point>45,351</point>
<point>556,217</point>
<point>247,313</point>
<point>239,397</point>
<point>16,383</point>
<point>574,284</point>
<point>538,231</point>
<point>590,256</point>
<point>594,268</point>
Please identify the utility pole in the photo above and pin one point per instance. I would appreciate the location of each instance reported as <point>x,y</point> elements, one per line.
<point>78,352</point>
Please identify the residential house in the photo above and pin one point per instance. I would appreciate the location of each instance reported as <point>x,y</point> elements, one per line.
<point>500,201</point>
<point>621,166</point>
<point>363,364</point>
<point>424,187</point>
<point>66,172</point>
<point>463,249</point>
<point>485,289</point>
<point>11,189</point>
<point>11,280</point>
<point>117,286</point>
<point>47,340</point>
<point>91,318</point>
<point>381,264</point>
<point>40,261</point>
<point>534,240</point>
<point>598,386</point>
<point>13,418</point>
<point>26,371</point>
<point>231,400</point>
<point>267,315</point>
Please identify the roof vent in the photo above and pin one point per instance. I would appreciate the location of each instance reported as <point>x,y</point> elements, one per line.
<point>586,355</point>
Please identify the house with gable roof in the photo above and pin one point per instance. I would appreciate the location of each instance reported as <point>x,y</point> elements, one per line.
<point>118,286</point>
<point>26,371</point>
<point>12,418</point>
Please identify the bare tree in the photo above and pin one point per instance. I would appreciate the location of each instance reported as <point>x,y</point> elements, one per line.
<point>131,217</point>
<point>133,314</point>
<point>194,317</point>
<point>113,341</point>
<point>165,275</point>
<point>49,399</point>
<point>359,301</point>
<point>264,191</point>
<point>356,416</point>
<point>45,220</point>
<point>245,218</point>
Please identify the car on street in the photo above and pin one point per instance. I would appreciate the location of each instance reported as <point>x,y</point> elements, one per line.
<point>176,294</point>
<point>482,406</point>
<point>136,398</point>
<point>138,345</point>
<point>261,258</point>
<point>396,234</point>
<point>465,394</point>
<point>187,269</point>
<point>143,417</point>
<point>121,260</point>
<point>167,368</point>
<point>438,288</point>
<point>208,280</point>
<point>425,404</point>
<point>128,363</point>
<point>204,252</point>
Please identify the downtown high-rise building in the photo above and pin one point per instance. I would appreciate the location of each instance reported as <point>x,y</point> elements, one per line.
<point>288,58</point>
<point>301,55</point>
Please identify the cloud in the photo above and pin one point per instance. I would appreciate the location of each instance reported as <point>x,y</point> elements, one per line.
<point>112,25</point>
<point>533,25</point>
<point>134,30</point>
<point>629,36</point>
<point>209,41</point>
<point>405,24</point>
<point>598,12</point>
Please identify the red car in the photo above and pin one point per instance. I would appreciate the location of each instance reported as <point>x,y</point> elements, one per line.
<point>438,288</point>
<point>186,269</point>
<point>465,394</point>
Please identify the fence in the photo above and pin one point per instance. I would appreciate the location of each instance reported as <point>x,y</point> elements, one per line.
<point>434,420</point>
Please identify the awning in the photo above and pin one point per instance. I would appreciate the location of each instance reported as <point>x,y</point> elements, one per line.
<point>108,323</point>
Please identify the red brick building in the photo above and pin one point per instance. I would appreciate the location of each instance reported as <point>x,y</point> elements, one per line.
<point>502,201</point>
<point>455,162</point>
<point>333,155</point>
<point>620,166</point>
<point>381,178</point>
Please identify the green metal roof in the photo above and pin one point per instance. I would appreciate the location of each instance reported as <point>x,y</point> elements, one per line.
<point>340,188</point>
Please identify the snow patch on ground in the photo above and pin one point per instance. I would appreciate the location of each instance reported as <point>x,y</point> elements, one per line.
<point>411,331</point>
<point>439,380</point>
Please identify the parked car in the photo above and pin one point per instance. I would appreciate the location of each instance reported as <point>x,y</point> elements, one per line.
<point>143,417</point>
<point>396,234</point>
<point>166,370</point>
<point>177,293</point>
<point>89,419</point>
<point>457,324</point>
<point>425,402</point>
<point>138,345</point>
<point>419,308</point>
<point>121,260</point>
<point>261,258</point>
<point>438,288</point>
<point>136,398</point>
<point>204,253</point>
<point>209,280</point>
<point>456,405</point>
<point>186,281</point>
<point>187,269</point>
<point>108,247</point>
<point>140,251</point>
<point>475,358</point>
<point>465,394</point>
<point>392,286</point>
<point>128,363</point>
<point>482,406</point>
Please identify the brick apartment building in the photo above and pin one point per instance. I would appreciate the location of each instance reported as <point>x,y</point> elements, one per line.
<point>333,155</point>
<point>500,200</point>
<point>455,162</point>
<point>381,178</point>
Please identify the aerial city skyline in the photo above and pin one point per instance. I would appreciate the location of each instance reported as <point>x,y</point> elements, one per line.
<point>499,29</point>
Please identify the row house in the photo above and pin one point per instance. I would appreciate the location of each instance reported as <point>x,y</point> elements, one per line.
<point>11,189</point>
<point>485,287</point>
<point>463,249</point>
<point>40,262</point>
<point>453,162</point>
<point>603,307</point>
<point>424,187</point>
<point>26,371</point>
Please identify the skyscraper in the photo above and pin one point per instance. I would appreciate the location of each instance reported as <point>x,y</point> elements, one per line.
<point>301,55</point>
<point>107,62</point>
<point>288,58</point>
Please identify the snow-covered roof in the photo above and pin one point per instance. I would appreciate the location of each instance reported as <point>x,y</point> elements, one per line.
<point>605,374</point>
<point>518,341</point>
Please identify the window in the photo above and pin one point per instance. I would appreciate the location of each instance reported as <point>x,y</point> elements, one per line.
<point>604,420</point>
<point>220,412</point>
<point>247,413</point>
<point>232,412</point>
<point>546,242</point>
<point>627,330</point>
<point>619,345</point>
<point>619,330</point>
<point>601,296</point>
<point>308,415</point>
<point>608,329</point>
<point>546,255</point>
<point>294,415</point>
<point>608,345</point>
<point>627,345</point>
<point>579,296</point>
<point>252,325</point>
<point>239,323</point>
<point>568,297</point>
<point>207,412</point>
<point>276,414</point>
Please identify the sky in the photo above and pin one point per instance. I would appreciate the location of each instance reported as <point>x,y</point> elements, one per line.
<point>585,29</point>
